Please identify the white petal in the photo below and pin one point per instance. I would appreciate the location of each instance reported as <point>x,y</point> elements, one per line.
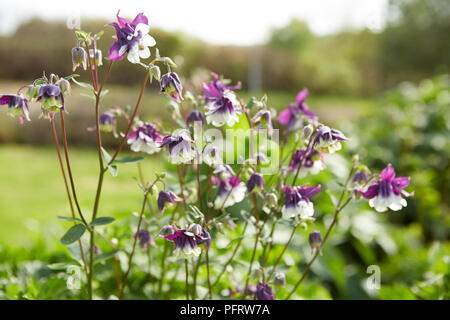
<point>133,55</point>
<point>148,41</point>
<point>144,53</point>
<point>143,28</point>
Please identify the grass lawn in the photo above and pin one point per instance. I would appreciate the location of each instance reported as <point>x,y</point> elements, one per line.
<point>32,191</point>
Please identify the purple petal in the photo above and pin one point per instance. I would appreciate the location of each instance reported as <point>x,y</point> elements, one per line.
<point>301,96</point>
<point>388,174</point>
<point>140,18</point>
<point>371,192</point>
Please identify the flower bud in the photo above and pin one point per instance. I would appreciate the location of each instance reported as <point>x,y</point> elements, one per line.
<point>315,240</point>
<point>171,85</point>
<point>256,182</point>
<point>271,200</point>
<point>155,72</point>
<point>98,57</point>
<point>79,57</point>
<point>280,279</point>
<point>307,131</point>
<point>264,292</point>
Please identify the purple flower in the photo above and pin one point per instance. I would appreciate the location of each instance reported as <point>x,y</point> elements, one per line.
<point>359,178</point>
<point>387,192</point>
<point>297,201</point>
<point>51,98</point>
<point>98,57</point>
<point>17,106</point>
<point>264,117</point>
<point>222,104</point>
<point>187,243</point>
<point>166,196</point>
<point>108,122</point>
<point>255,183</point>
<point>315,240</point>
<point>311,164</point>
<point>329,139</point>
<point>132,39</point>
<point>146,139</point>
<point>180,147</point>
<point>195,116</point>
<point>292,115</point>
<point>231,191</point>
<point>280,279</point>
<point>170,84</point>
<point>145,239</point>
<point>79,57</point>
<point>264,292</point>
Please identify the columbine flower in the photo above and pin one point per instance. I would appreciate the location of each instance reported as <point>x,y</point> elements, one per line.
<point>51,98</point>
<point>145,239</point>
<point>132,39</point>
<point>170,84</point>
<point>311,164</point>
<point>195,116</point>
<point>315,240</point>
<point>224,171</point>
<point>187,243</point>
<point>180,147</point>
<point>329,139</point>
<point>79,57</point>
<point>292,116</point>
<point>255,183</point>
<point>387,192</point>
<point>98,57</point>
<point>297,201</point>
<point>264,292</point>
<point>17,106</point>
<point>359,178</point>
<point>146,139</point>
<point>231,191</point>
<point>223,106</point>
<point>164,197</point>
<point>108,122</point>
<point>211,156</point>
<point>264,117</point>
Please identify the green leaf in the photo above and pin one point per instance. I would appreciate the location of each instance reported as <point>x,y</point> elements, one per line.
<point>102,221</point>
<point>73,234</point>
<point>61,266</point>
<point>130,159</point>
<point>103,93</point>
<point>105,255</point>
<point>68,218</point>
<point>113,170</point>
<point>84,85</point>
<point>87,95</point>
<point>106,155</point>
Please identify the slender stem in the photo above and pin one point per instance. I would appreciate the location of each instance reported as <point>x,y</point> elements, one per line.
<point>208,275</point>
<point>69,197</point>
<point>338,209</point>
<point>194,282</point>
<point>200,200</point>
<point>181,180</point>
<point>130,123</point>
<point>130,260</point>
<point>225,266</point>
<point>302,161</point>
<point>69,170</point>
<point>282,252</point>
<point>187,278</point>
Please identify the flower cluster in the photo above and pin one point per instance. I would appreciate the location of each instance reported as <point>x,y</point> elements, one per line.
<point>187,240</point>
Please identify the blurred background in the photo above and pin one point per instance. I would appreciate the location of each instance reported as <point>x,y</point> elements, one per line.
<point>377,70</point>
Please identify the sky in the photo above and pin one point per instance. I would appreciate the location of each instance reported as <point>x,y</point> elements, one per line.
<point>232,22</point>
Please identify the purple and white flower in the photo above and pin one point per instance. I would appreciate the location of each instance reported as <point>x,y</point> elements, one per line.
<point>223,106</point>
<point>187,242</point>
<point>387,192</point>
<point>17,106</point>
<point>292,117</point>
<point>145,239</point>
<point>51,98</point>
<point>328,139</point>
<point>170,84</point>
<point>195,116</point>
<point>264,292</point>
<point>146,139</point>
<point>133,39</point>
<point>166,197</point>
<point>108,122</point>
<point>180,145</point>
<point>231,191</point>
<point>315,240</point>
<point>297,201</point>
<point>255,183</point>
<point>311,164</point>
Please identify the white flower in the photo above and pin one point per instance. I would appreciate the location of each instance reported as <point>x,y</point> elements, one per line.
<point>303,209</point>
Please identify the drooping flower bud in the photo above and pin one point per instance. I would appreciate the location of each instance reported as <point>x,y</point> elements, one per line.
<point>51,98</point>
<point>195,116</point>
<point>171,85</point>
<point>315,240</point>
<point>280,279</point>
<point>164,197</point>
<point>98,57</point>
<point>107,122</point>
<point>145,239</point>
<point>79,57</point>
<point>155,72</point>
<point>255,183</point>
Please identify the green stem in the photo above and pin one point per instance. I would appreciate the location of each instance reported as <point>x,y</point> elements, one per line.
<point>282,252</point>
<point>187,278</point>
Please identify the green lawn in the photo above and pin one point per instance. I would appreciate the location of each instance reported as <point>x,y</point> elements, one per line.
<point>32,191</point>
